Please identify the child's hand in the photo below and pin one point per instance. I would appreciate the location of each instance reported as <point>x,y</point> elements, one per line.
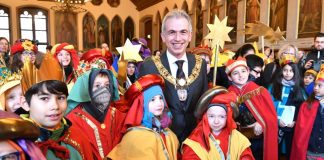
<point>281,123</point>
<point>291,125</point>
<point>257,129</point>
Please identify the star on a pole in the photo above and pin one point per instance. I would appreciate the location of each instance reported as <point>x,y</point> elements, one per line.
<point>276,36</point>
<point>130,51</point>
<point>257,29</point>
<point>218,32</point>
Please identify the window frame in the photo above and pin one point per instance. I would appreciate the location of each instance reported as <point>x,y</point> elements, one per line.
<point>7,8</point>
<point>33,12</point>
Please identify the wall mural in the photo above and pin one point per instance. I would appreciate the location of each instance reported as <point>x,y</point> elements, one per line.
<point>199,24</point>
<point>278,14</point>
<point>102,31</point>
<point>113,3</point>
<point>231,12</point>
<point>310,18</point>
<point>65,29</point>
<point>252,14</point>
<point>89,36</point>
<point>129,28</point>
<point>116,32</point>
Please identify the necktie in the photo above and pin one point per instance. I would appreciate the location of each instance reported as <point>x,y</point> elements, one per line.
<point>180,73</point>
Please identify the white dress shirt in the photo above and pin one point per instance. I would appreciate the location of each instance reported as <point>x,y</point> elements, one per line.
<point>174,67</point>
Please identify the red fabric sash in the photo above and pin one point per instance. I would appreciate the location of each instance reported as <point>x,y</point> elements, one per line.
<point>303,129</point>
<point>263,110</point>
<point>59,151</point>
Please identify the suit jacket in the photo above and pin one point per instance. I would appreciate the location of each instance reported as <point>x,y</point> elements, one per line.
<point>183,121</point>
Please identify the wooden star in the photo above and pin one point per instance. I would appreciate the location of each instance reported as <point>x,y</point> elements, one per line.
<point>130,51</point>
<point>218,32</point>
<point>257,29</point>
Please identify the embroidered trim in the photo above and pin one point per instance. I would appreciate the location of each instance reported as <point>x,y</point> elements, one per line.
<point>165,151</point>
<point>221,153</point>
<point>96,133</point>
<point>167,75</point>
<point>250,94</point>
<point>75,144</point>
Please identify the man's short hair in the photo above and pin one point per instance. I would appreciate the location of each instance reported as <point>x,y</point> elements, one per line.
<point>176,13</point>
<point>52,86</point>
<point>319,34</point>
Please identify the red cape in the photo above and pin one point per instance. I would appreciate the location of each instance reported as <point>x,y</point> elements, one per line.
<point>109,135</point>
<point>263,110</point>
<point>303,130</point>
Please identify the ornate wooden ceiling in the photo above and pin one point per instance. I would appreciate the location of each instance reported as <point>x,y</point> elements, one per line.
<point>143,4</point>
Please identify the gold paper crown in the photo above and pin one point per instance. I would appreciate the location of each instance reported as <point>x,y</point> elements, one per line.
<point>320,75</point>
<point>49,70</point>
<point>287,59</point>
<point>7,76</point>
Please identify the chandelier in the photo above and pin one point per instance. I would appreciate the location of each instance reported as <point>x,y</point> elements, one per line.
<point>73,6</point>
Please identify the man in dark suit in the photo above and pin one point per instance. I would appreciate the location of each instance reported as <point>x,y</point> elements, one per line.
<point>184,74</point>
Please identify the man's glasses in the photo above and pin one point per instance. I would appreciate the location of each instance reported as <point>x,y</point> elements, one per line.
<point>11,156</point>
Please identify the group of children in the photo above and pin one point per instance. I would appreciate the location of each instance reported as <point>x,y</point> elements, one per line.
<point>92,120</point>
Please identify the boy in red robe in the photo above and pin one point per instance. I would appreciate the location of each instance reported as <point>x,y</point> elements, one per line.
<point>257,112</point>
<point>93,110</point>
<point>215,137</point>
<point>308,138</point>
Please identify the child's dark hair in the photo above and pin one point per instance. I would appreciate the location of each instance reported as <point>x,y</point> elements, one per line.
<point>254,61</point>
<point>241,52</point>
<point>51,86</point>
<point>297,89</point>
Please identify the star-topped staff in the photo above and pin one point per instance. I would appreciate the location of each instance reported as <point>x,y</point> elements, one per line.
<point>128,52</point>
<point>217,36</point>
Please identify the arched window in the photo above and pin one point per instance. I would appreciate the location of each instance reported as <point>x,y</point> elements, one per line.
<point>33,25</point>
<point>5,23</point>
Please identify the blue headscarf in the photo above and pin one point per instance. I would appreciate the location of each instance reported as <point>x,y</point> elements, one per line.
<point>148,117</point>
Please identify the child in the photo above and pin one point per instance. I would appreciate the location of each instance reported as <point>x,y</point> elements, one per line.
<point>47,103</point>
<point>92,110</point>
<point>215,137</point>
<point>309,78</point>
<point>257,114</point>
<point>65,54</point>
<point>286,91</point>
<point>58,140</point>
<point>308,137</point>
<point>20,51</point>
<point>10,92</point>
<point>146,132</point>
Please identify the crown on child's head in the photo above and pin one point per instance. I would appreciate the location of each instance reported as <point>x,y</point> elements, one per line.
<point>312,72</point>
<point>287,59</point>
<point>320,75</point>
<point>49,70</point>
<point>7,76</point>
<point>23,45</point>
<point>232,64</point>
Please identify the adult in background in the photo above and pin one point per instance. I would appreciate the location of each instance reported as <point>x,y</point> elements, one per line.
<point>185,74</point>
<point>315,57</point>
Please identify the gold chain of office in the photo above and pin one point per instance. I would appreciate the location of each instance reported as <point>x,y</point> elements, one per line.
<point>166,74</point>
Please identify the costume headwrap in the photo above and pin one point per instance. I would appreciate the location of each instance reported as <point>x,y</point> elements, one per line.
<point>93,55</point>
<point>8,80</point>
<point>144,50</point>
<point>312,72</point>
<point>232,64</point>
<point>214,97</point>
<point>69,48</point>
<point>81,91</point>
<point>138,98</point>
<point>23,45</point>
<point>205,50</point>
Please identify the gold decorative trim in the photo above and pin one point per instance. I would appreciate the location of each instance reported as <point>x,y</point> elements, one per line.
<point>75,144</point>
<point>138,86</point>
<point>250,94</point>
<point>167,75</point>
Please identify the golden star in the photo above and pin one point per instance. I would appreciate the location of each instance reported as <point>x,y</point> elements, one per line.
<point>257,29</point>
<point>218,32</point>
<point>276,36</point>
<point>130,51</point>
